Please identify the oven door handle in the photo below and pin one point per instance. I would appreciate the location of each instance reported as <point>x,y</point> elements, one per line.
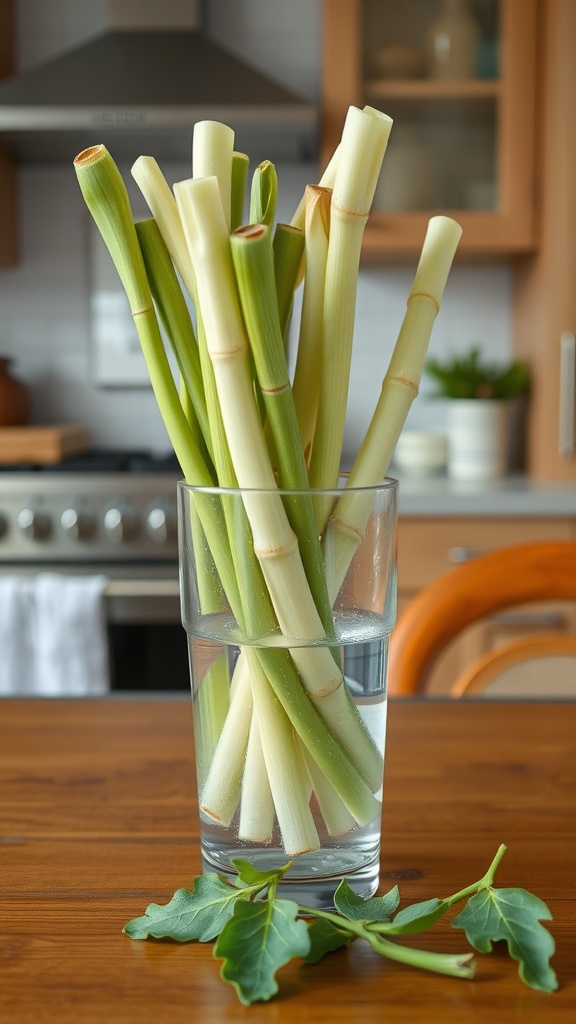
<point>142,588</point>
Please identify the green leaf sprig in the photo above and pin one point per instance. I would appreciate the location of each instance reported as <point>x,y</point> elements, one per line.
<point>257,932</point>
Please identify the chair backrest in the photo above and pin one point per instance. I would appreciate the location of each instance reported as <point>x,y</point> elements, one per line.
<point>539,571</point>
<point>531,666</point>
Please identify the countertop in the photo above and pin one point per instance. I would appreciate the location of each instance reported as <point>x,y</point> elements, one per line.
<point>98,818</point>
<point>437,496</point>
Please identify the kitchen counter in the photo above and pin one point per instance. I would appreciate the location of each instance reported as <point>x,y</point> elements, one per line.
<point>511,496</point>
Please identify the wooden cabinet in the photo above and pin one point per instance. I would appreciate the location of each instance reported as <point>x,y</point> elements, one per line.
<point>545,291</point>
<point>8,173</point>
<point>427,548</point>
<point>479,132</point>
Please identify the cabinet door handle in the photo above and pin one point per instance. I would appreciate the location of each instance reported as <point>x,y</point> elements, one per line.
<point>567,394</point>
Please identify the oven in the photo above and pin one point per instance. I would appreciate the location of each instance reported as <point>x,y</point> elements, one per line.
<point>114,515</point>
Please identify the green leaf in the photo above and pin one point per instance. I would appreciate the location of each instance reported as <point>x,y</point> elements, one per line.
<point>251,876</point>
<point>512,915</point>
<point>418,917</point>
<point>355,908</point>
<point>199,914</point>
<point>258,940</point>
<point>325,937</point>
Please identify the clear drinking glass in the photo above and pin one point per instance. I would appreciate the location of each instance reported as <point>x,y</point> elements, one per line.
<point>288,600</point>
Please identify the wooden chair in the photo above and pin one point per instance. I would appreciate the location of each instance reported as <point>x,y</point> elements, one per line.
<point>544,663</point>
<point>539,571</point>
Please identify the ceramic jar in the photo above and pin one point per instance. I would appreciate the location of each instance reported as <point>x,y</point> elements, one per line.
<point>477,439</point>
<point>452,41</point>
<point>14,397</point>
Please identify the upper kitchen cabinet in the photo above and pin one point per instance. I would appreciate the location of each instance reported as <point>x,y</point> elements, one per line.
<point>459,79</point>
<point>8,178</point>
<point>544,298</point>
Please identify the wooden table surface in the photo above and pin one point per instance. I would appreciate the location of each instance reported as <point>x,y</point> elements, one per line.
<point>98,818</point>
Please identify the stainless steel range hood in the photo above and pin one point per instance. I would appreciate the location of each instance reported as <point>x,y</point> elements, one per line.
<point>141,91</point>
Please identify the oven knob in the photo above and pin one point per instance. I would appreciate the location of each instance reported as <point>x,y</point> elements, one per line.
<point>121,523</point>
<point>161,525</point>
<point>77,523</point>
<point>34,523</point>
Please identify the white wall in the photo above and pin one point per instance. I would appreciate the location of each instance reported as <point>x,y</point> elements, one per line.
<point>44,303</point>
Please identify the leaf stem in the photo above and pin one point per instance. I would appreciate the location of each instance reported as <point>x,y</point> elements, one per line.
<point>484,883</point>
<point>456,965</point>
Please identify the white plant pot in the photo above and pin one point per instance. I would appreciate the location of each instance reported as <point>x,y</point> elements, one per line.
<point>477,439</point>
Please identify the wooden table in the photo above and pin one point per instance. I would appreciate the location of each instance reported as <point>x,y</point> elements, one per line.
<point>98,818</point>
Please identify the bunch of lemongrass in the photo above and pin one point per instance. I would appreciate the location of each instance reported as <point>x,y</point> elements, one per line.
<point>284,727</point>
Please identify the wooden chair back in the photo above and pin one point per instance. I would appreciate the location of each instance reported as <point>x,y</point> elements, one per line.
<point>538,571</point>
<point>537,665</point>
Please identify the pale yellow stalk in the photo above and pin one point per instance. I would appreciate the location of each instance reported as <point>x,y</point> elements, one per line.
<point>360,156</point>
<point>399,389</point>
<point>220,793</point>
<point>256,804</point>
<point>212,151</point>
<point>337,817</point>
<point>162,205</point>
<point>309,360</point>
<point>326,181</point>
<point>279,746</point>
<point>275,543</point>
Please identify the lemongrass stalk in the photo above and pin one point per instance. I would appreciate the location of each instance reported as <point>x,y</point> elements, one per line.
<point>264,194</point>
<point>336,815</point>
<point>288,247</point>
<point>326,181</point>
<point>256,804</point>
<point>298,220</point>
<point>220,793</point>
<point>360,156</point>
<point>309,358</point>
<point>280,752</point>
<point>212,149</point>
<point>254,265</point>
<point>162,205</point>
<point>323,746</point>
<point>240,165</point>
<point>275,543</point>
<point>174,316</point>
<point>399,389</point>
<point>210,710</point>
<point>105,195</point>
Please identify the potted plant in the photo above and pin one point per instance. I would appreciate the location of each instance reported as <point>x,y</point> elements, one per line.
<point>484,412</point>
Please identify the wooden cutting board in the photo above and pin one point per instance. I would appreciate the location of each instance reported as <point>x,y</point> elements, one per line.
<point>43,445</point>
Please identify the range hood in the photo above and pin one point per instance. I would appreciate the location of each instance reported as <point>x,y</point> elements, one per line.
<point>140,90</point>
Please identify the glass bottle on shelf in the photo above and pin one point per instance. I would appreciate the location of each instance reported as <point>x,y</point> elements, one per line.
<point>452,40</point>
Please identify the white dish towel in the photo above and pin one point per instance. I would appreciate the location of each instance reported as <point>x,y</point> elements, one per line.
<point>53,640</point>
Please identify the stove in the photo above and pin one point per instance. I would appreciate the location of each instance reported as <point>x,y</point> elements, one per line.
<point>98,507</point>
<point>111,514</point>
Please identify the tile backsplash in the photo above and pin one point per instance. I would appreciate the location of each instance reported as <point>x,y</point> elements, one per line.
<point>45,302</point>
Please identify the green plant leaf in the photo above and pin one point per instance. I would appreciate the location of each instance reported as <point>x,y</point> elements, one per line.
<point>258,940</point>
<point>512,915</point>
<point>325,937</point>
<point>251,876</point>
<point>417,917</point>
<point>355,908</point>
<point>199,914</point>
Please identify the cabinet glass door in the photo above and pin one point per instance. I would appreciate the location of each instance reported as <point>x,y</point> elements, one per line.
<point>458,78</point>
